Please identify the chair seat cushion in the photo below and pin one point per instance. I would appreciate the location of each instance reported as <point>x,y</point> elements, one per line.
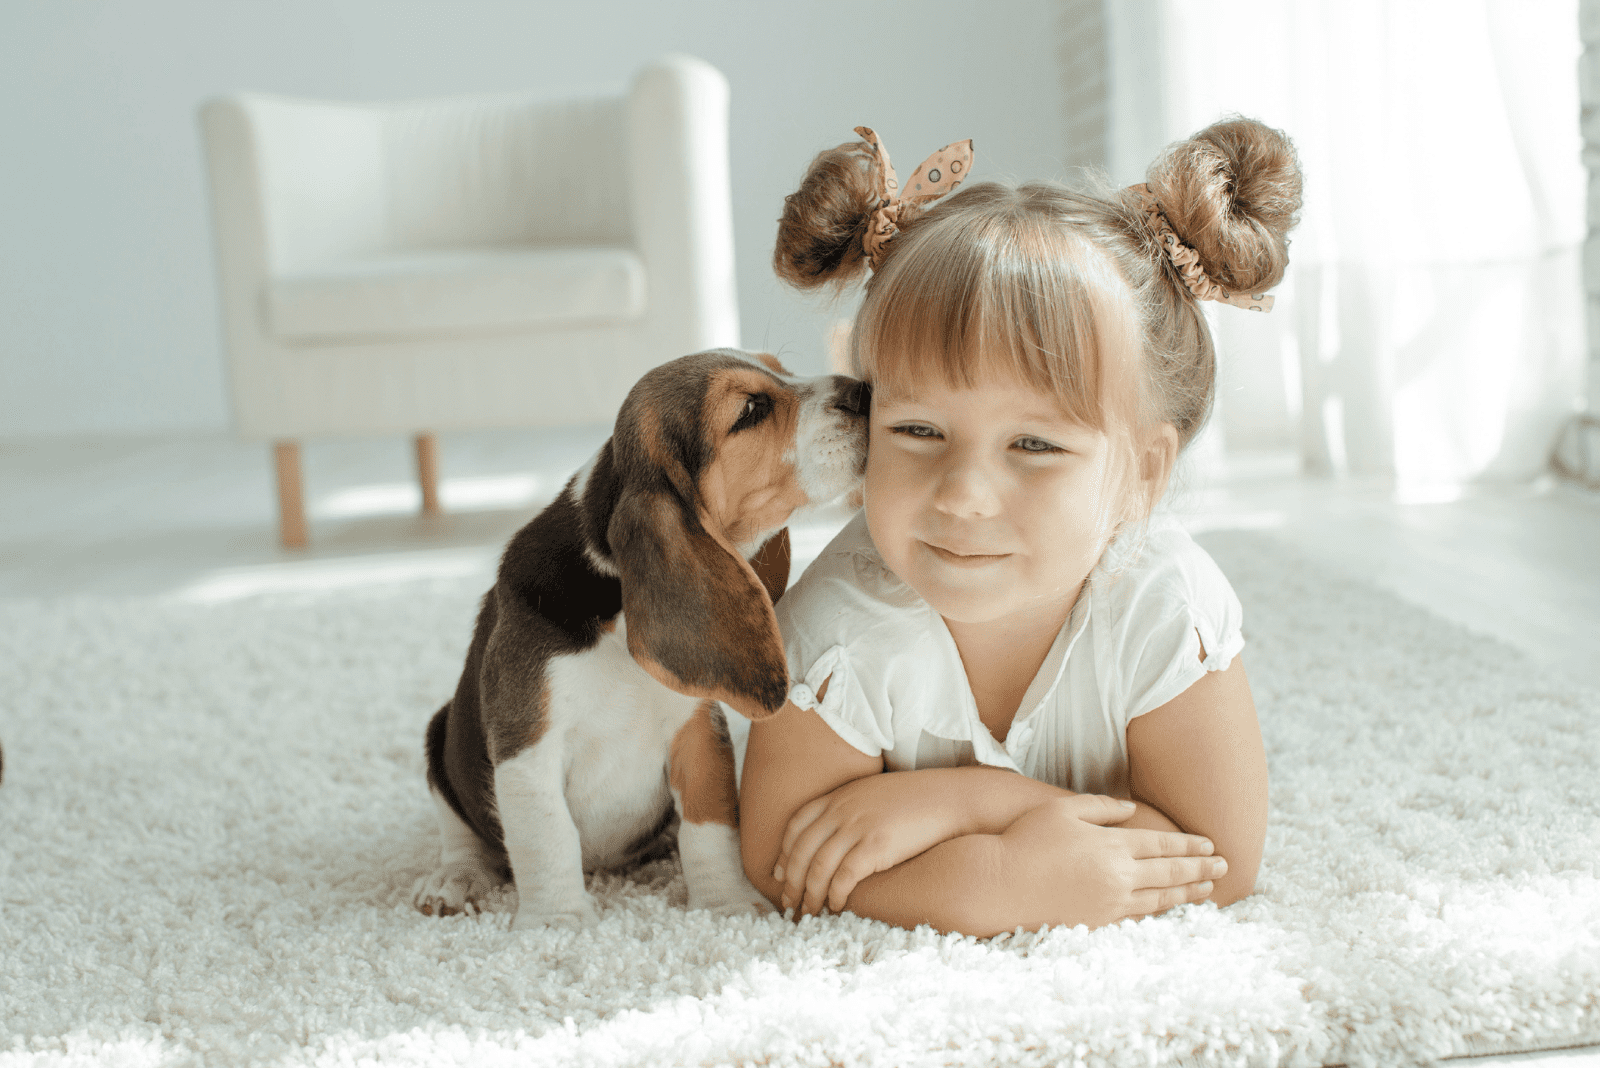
<point>443,292</point>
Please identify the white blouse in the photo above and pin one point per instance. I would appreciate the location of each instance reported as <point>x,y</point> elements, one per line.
<point>1131,644</point>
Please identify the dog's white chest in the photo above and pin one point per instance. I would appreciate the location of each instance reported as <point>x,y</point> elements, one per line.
<point>615,725</point>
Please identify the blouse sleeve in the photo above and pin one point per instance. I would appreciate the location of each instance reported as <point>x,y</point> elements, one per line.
<point>1182,605</point>
<point>831,627</point>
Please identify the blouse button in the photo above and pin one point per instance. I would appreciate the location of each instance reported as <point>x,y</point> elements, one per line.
<point>803,696</point>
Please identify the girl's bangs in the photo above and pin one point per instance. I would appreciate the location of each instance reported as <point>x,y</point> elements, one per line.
<point>970,300</point>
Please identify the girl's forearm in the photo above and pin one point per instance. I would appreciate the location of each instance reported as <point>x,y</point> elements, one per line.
<point>971,883</point>
<point>957,886</point>
<point>996,798</point>
<point>1149,818</point>
<point>988,800</point>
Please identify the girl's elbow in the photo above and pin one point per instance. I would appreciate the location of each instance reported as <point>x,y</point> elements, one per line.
<point>766,885</point>
<point>755,857</point>
<point>1222,899</point>
<point>1231,888</point>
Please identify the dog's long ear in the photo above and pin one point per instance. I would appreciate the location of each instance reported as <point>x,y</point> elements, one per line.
<point>771,564</point>
<point>699,620</point>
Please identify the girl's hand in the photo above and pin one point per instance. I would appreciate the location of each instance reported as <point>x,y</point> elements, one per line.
<point>863,827</point>
<point>1079,869</point>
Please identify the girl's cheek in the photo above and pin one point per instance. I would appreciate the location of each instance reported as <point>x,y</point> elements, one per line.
<point>880,488</point>
<point>884,461</point>
<point>890,493</point>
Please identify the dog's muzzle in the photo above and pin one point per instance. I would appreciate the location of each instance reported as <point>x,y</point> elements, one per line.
<point>852,397</point>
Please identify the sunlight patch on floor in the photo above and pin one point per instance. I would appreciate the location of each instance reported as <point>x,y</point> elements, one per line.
<point>1408,491</point>
<point>312,576</point>
<point>483,493</point>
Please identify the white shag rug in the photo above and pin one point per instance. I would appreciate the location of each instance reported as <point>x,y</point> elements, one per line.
<point>212,816</point>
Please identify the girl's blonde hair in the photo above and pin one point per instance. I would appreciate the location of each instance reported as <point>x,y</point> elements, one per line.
<point>1066,289</point>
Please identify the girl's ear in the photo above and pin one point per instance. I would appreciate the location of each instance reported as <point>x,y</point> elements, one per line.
<point>1159,456</point>
<point>698,618</point>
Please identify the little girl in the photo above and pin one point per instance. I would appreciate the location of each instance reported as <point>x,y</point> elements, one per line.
<point>1016,698</point>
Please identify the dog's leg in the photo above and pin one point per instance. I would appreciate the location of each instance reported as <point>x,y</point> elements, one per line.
<point>541,839</point>
<point>701,776</point>
<point>468,868</point>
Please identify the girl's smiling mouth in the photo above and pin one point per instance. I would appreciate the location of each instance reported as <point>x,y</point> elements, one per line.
<point>963,559</point>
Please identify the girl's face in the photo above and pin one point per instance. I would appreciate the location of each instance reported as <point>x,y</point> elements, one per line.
<point>990,502</point>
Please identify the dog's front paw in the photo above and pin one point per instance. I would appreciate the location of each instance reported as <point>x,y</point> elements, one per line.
<point>758,907</point>
<point>452,888</point>
<point>713,872</point>
<point>729,896</point>
<point>574,917</point>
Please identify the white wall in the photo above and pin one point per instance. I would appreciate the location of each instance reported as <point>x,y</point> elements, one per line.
<point>108,318</point>
<point>1589,90</point>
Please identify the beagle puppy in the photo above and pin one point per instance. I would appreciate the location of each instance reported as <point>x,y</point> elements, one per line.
<point>586,722</point>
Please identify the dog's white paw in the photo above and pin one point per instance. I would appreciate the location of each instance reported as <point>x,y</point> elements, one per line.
<point>575,917</point>
<point>714,874</point>
<point>452,888</point>
<point>731,895</point>
<point>759,907</point>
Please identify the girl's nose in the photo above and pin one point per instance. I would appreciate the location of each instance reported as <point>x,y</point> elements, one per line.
<point>967,488</point>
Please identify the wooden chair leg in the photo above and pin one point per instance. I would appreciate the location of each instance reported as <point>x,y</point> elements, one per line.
<point>428,473</point>
<point>291,498</point>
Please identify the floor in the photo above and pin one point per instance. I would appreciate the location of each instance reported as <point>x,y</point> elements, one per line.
<point>194,517</point>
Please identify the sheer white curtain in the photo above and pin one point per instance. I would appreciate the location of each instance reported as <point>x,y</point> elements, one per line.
<point>1432,324</point>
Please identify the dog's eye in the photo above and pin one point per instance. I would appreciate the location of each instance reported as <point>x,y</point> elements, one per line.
<point>757,406</point>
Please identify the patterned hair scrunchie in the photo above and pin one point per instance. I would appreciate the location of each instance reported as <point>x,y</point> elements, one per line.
<point>935,176</point>
<point>1187,260</point>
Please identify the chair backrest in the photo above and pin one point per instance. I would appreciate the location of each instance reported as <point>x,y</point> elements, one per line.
<point>342,180</point>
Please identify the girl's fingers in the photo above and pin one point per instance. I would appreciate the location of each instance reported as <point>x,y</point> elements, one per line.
<point>1148,844</point>
<point>1098,808</point>
<point>798,862</point>
<point>1149,902</point>
<point>1171,872</point>
<point>797,856</point>
<point>820,873</point>
<point>804,817</point>
<point>851,870</point>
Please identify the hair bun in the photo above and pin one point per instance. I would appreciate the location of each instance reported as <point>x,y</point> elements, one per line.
<point>823,223</point>
<point>1232,193</point>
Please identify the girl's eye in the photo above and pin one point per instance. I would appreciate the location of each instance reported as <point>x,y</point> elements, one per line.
<point>914,430</point>
<point>1037,445</point>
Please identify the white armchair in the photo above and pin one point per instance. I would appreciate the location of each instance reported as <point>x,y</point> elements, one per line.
<point>498,261</point>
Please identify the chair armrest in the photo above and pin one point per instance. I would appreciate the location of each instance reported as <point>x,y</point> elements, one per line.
<point>681,199</point>
<point>237,213</point>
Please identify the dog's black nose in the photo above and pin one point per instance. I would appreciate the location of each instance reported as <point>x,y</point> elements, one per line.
<point>853,397</point>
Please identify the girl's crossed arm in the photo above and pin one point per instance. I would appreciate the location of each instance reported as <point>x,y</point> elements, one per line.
<point>1199,760</point>
<point>988,849</point>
